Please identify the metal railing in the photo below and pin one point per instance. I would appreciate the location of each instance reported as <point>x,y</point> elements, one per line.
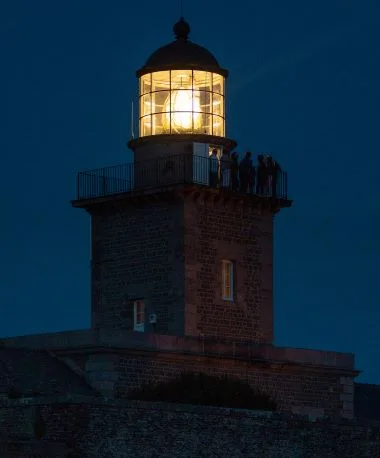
<point>173,170</point>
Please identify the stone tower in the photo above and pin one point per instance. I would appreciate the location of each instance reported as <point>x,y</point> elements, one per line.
<point>177,248</point>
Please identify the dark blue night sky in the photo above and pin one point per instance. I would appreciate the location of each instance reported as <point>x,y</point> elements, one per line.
<point>304,84</point>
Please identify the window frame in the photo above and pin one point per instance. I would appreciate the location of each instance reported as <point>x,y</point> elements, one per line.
<point>225,263</point>
<point>139,324</point>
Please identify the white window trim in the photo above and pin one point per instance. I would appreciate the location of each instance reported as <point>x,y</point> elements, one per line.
<point>229,297</point>
<point>138,326</point>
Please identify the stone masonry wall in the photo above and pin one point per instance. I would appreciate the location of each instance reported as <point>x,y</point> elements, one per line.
<point>137,253</point>
<point>296,388</point>
<point>312,381</point>
<point>293,388</point>
<point>169,253</point>
<point>218,230</point>
<point>109,429</point>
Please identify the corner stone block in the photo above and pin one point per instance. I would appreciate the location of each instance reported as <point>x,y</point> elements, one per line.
<point>346,397</point>
<point>346,381</point>
<point>348,389</point>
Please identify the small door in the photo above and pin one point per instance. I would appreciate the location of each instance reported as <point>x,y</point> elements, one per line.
<point>201,163</point>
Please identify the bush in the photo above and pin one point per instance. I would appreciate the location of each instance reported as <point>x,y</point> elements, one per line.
<point>202,389</point>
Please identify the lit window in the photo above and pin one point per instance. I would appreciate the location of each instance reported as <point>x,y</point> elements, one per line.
<point>228,280</point>
<point>138,316</point>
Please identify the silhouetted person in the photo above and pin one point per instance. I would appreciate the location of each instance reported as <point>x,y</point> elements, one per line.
<point>246,173</point>
<point>262,176</point>
<point>234,171</point>
<point>214,168</point>
<point>225,170</point>
<point>273,169</point>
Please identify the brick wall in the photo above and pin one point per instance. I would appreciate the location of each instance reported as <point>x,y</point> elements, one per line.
<point>168,250</point>
<point>118,429</point>
<point>295,389</point>
<point>138,253</point>
<point>216,229</point>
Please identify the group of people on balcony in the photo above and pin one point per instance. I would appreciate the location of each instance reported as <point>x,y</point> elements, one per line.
<point>228,172</point>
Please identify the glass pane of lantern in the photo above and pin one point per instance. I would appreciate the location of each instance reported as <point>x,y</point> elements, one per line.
<point>145,105</point>
<point>205,101</point>
<point>145,84</point>
<point>161,81</point>
<point>160,101</point>
<point>217,126</point>
<point>157,126</point>
<point>205,123</point>
<point>183,102</point>
<point>217,104</point>
<point>180,121</point>
<point>217,83</point>
<point>146,125</point>
<point>181,79</point>
<point>202,80</point>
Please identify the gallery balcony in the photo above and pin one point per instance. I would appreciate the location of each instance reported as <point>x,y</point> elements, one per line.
<point>169,172</point>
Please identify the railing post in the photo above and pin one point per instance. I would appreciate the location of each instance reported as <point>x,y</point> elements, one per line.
<point>103,182</point>
<point>285,185</point>
<point>131,168</point>
<point>78,185</point>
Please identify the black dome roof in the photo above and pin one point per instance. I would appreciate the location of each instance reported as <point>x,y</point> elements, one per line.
<point>181,54</point>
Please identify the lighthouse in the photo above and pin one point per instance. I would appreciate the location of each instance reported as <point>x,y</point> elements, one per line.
<point>171,253</point>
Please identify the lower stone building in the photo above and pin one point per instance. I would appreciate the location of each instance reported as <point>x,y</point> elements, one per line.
<point>309,382</point>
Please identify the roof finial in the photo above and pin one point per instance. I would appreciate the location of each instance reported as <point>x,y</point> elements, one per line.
<point>181,29</point>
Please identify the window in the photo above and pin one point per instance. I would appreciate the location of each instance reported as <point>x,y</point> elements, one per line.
<point>228,280</point>
<point>138,316</point>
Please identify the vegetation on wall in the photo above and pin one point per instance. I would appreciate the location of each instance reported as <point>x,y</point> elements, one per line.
<point>202,389</point>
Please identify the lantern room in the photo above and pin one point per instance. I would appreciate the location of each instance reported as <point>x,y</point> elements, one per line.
<point>181,106</point>
<point>181,102</point>
<point>181,89</point>
<point>182,95</point>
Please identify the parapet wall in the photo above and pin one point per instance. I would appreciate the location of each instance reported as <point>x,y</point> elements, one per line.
<point>119,428</point>
<point>148,341</point>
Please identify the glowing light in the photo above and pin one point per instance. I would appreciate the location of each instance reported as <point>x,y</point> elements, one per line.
<point>181,102</point>
<point>185,113</point>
